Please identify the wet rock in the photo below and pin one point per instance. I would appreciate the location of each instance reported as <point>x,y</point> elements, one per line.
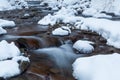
<point>23,65</point>
<point>54,70</point>
<point>27,43</point>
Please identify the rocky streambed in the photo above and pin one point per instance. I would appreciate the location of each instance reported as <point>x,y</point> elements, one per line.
<point>51,57</point>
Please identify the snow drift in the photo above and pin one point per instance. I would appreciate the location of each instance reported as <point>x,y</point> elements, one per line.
<point>100,67</point>
<point>12,4</point>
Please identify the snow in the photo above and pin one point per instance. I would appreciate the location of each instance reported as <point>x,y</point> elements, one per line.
<point>91,12</point>
<point>20,58</point>
<point>67,14</point>
<point>6,23</point>
<point>62,31</point>
<point>10,68</point>
<point>75,4</point>
<point>83,46</point>
<point>99,67</point>
<point>107,28</point>
<point>12,4</point>
<point>2,31</point>
<point>63,15</point>
<point>4,47</point>
<point>111,6</point>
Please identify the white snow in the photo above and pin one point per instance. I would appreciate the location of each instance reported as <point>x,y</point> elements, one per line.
<point>63,15</point>
<point>83,46</point>
<point>62,31</point>
<point>2,31</point>
<point>6,23</point>
<point>8,50</point>
<point>12,4</point>
<point>95,13</point>
<point>20,58</point>
<point>106,5</point>
<point>73,4</point>
<point>67,14</point>
<point>9,68</point>
<point>99,67</point>
<point>107,28</point>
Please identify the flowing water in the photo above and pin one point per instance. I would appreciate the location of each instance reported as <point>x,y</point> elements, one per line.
<point>51,56</point>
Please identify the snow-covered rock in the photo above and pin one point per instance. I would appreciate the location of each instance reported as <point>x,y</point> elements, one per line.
<point>64,15</point>
<point>6,23</point>
<point>99,67</point>
<point>107,28</point>
<point>83,46</point>
<point>2,31</point>
<point>10,68</point>
<point>91,12</point>
<point>62,31</point>
<point>4,47</point>
<point>111,6</point>
<point>12,4</point>
<point>79,5</point>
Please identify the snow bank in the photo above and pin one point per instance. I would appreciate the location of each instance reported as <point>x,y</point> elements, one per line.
<point>62,31</point>
<point>83,46</point>
<point>4,47</point>
<point>99,67</point>
<point>79,5</point>
<point>12,4</point>
<point>2,31</point>
<point>10,68</point>
<point>6,23</point>
<point>111,6</point>
<point>107,28</point>
<point>62,16</point>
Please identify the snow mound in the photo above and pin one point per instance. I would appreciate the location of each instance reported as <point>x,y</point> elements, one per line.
<point>2,31</point>
<point>107,28</point>
<point>4,47</point>
<point>62,31</point>
<point>110,6</point>
<point>6,23</point>
<point>12,4</point>
<point>91,12</point>
<point>62,16</point>
<point>99,67</point>
<point>10,68</point>
<point>83,46</point>
<point>79,5</point>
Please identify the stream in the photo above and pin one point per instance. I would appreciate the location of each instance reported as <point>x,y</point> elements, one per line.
<point>51,56</point>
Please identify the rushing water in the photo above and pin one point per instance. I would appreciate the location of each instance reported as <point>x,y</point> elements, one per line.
<point>63,55</point>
